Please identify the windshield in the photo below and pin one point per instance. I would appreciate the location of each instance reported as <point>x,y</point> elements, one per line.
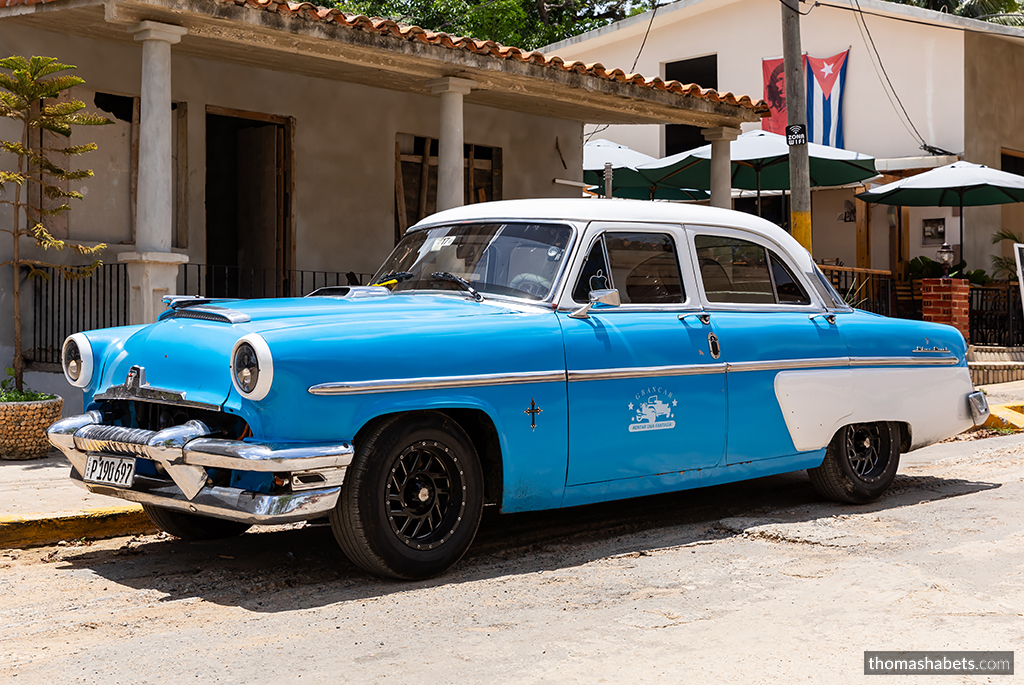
<point>518,259</point>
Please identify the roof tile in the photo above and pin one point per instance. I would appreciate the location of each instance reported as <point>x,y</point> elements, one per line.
<point>359,22</point>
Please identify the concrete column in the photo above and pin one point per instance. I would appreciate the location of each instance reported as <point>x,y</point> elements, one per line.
<point>451,181</point>
<point>721,165</point>
<point>153,269</point>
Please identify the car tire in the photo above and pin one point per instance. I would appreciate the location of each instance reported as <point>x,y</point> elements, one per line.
<point>193,527</point>
<point>860,462</point>
<point>412,498</point>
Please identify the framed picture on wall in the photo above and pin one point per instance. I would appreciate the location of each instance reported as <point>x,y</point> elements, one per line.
<point>933,231</point>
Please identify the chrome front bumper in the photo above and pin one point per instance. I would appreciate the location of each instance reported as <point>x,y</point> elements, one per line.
<point>183,452</point>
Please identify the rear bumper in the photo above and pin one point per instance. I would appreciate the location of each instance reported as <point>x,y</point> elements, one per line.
<point>979,407</point>
<point>314,472</point>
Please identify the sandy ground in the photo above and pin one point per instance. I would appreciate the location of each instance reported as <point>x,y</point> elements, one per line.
<point>758,582</point>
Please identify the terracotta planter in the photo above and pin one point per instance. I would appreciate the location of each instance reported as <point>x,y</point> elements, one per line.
<point>23,427</point>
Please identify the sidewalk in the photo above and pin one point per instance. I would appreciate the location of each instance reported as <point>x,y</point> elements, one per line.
<point>40,504</point>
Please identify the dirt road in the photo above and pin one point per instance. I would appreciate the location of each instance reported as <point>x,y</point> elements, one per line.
<point>748,583</point>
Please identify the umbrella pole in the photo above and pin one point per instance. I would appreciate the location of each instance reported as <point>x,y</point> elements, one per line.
<point>758,192</point>
<point>962,225</point>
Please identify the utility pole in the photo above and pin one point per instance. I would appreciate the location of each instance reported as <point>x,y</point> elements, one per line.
<point>796,115</point>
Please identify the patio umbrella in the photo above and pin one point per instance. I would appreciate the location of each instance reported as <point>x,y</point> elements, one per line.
<point>652,192</point>
<point>960,184</point>
<point>760,161</point>
<point>623,160</point>
<point>626,181</point>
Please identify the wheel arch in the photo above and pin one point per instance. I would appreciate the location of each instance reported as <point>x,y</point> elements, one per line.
<point>482,432</point>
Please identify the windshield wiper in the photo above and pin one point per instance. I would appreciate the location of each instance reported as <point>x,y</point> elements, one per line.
<point>394,277</point>
<point>448,276</point>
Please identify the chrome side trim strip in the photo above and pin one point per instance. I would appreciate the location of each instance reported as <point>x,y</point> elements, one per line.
<point>583,375</point>
<point>784,364</point>
<point>904,361</point>
<point>646,372</point>
<point>396,384</point>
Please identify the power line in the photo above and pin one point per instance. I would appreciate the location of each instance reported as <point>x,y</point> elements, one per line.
<point>891,91</point>
<point>632,69</point>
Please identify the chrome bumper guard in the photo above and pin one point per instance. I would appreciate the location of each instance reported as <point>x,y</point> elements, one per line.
<point>979,407</point>
<point>184,452</point>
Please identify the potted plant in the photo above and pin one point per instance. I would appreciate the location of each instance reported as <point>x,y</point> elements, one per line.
<point>34,94</point>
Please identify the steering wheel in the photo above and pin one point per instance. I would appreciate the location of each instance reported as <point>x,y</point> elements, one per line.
<point>532,284</point>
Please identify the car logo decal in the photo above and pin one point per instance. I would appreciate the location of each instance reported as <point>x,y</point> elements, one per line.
<point>653,410</point>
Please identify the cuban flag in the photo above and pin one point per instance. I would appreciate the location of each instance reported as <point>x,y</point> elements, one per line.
<point>826,81</point>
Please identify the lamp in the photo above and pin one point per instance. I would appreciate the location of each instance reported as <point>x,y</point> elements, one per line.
<point>944,256</point>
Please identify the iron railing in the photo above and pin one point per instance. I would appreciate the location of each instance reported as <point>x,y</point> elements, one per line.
<point>61,307</point>
<point>208,280</point>
<point>867,289</point>
<point>996,317</point>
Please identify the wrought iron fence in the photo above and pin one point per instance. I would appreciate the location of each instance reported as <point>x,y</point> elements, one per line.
<point>208,280</point>
<point>61,307</point>
<point>996,317</point>
<point>867,289</point>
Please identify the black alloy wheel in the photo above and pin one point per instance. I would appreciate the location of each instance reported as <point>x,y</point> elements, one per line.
<point>412,498</point>
<point>426,496</point>
<point>860,462</point>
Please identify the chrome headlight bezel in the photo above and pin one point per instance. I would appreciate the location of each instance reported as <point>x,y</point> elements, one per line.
<point>264,366</point>
<point>84,358</point>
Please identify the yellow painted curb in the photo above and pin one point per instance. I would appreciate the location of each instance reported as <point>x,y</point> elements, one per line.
<point>1005,416</point>
<point>33,531</point>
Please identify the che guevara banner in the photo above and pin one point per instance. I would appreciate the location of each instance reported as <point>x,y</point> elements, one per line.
<point>825,82</point>
<point>774,95</point>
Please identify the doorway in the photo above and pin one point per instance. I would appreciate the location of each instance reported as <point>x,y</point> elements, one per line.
<point>249,237</point>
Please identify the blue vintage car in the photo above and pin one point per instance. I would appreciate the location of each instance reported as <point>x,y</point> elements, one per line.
<point>529,354</point>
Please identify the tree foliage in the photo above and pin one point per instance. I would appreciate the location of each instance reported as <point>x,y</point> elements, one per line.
<point>527,24</point>
<point>1008,12</point>
<point>31,94</point>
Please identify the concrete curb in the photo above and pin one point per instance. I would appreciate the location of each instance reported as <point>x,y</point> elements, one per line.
<point>35,531</point>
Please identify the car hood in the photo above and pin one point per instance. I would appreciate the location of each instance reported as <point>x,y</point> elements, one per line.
<point>191,356</point>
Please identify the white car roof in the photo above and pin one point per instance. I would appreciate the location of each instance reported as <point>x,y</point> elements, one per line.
<point>620,210</point>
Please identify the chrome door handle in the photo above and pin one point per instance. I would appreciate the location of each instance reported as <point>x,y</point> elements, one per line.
<point>831,318</point>
<point>703,317</point>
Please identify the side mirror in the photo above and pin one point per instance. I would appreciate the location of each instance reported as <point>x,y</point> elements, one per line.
<point>598,298</point>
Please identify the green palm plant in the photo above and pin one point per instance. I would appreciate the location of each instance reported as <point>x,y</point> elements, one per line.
<point>28,94</point>
<point>1004,267</point>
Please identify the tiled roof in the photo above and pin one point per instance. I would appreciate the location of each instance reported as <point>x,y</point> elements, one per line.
<point>380,26</point>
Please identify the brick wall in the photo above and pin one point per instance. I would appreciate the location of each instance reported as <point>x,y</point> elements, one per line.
<point>947,300</point>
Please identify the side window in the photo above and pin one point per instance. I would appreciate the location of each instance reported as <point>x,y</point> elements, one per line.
<point>643,267</point>
<point>733,270</point>
<point>739,271</point>
<point>593,275</point>
<point>787,288</point>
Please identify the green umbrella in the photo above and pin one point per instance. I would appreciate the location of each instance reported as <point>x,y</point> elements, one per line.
<point>760,161</point>
<point>960,184</point>
<point>624,161</point>
<point>652,193</point>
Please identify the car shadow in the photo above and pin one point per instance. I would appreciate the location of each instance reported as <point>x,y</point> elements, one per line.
<point>284,569</point>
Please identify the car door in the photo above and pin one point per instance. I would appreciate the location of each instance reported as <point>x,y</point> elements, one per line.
<point>767,321</point>
<point>645,395</point>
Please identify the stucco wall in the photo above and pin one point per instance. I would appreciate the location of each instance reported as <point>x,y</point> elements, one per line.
<point>993,120</point>
<point>344,146</point>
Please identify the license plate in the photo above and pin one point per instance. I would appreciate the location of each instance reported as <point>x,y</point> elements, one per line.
<point>110,470</point>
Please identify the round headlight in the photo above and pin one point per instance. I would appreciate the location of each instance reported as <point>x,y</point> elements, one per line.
<point>76,360</point>
<point>252,368</point>
<point>247,368</point>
